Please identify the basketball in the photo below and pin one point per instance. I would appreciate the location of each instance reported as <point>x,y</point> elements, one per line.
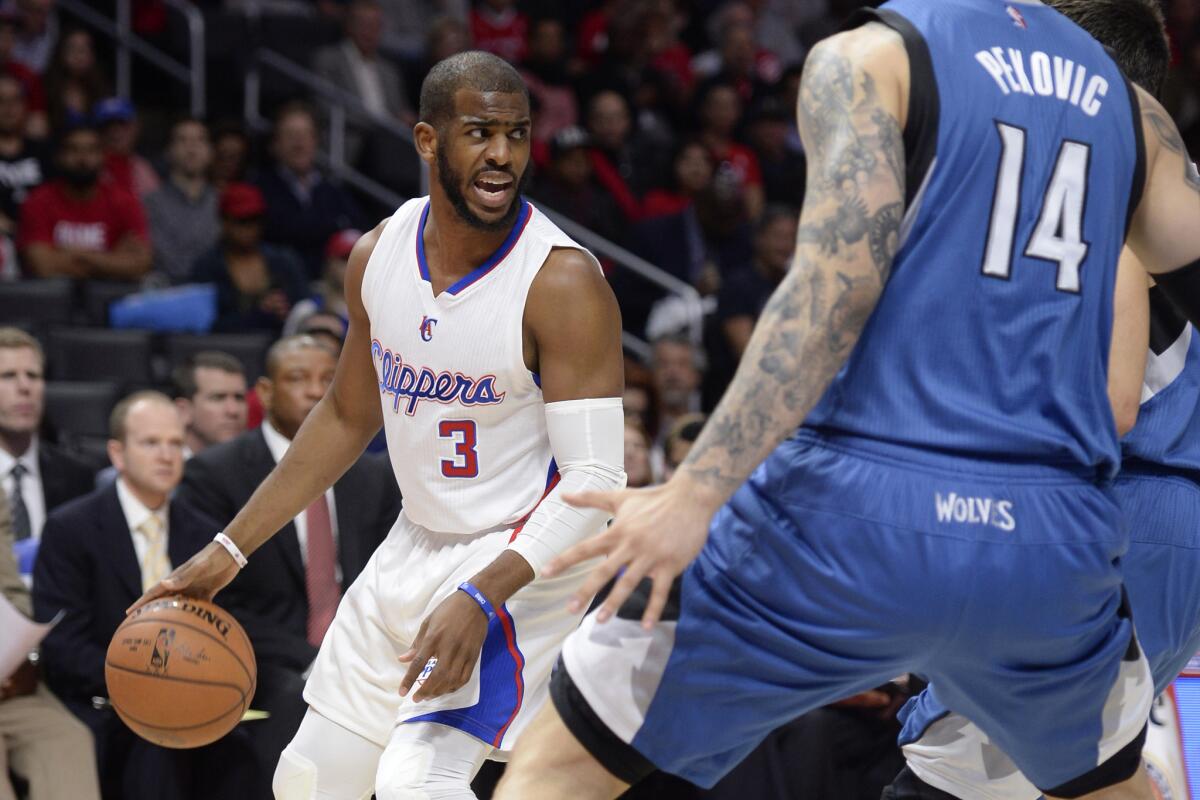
<point>180,672</point>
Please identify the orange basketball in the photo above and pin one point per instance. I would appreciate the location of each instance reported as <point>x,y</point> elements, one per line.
<point>180,672</point>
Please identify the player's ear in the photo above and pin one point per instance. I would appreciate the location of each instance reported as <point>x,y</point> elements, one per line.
<point>426,140</point>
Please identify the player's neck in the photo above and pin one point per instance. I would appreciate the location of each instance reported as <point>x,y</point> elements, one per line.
<point>453,247</point>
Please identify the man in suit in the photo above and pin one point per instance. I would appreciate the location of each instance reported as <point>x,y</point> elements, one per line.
<point>304,207</point>
<point>37,735</point>
<point>355,66</point>
<point>35,476</point>
<point>98,554</point>
<point>286,596</point>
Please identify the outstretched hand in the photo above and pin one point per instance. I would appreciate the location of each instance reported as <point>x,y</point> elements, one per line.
<point>656,532</point>
<point>201,576</point>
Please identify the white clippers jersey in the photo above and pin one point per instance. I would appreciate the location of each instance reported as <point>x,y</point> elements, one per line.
<point>464,417</point>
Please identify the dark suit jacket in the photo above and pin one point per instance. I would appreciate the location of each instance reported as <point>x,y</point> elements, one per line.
<point>88,567</point>
<point>306,227</point>
<point>332,64</point>
<point>268,597</point>
<point>64,477</point>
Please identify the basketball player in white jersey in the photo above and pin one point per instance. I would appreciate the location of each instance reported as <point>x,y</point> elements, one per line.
<point>488,345</point>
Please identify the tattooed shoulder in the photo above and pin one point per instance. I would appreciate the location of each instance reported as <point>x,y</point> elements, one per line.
<point>1168,136</point>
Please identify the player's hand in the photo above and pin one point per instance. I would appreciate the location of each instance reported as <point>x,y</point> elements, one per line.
<point>655,532</point>
<point>201,576</point>
<point>453,634</point>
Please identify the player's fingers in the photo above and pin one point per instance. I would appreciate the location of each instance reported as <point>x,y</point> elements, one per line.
<point>153,593</point>
<point>411,652</point>
<point>446,678</point>
<point>596,580</point>
<point>414,671</point>
<point>606,501</point>
<point>586,550</point>
<point>659,594</point>
<point>442,680</point>
<point>621,590</point>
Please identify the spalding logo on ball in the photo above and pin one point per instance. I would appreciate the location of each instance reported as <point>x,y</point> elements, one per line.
<point>180,672</point>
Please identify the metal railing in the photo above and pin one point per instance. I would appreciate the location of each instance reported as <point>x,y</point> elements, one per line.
<point>121,31</point>
<point>339,103</point>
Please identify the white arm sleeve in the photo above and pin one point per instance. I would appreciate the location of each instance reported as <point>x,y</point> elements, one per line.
<point>587,438</point>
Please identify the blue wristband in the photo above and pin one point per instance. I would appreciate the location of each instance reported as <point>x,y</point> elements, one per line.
<point>478,597</point>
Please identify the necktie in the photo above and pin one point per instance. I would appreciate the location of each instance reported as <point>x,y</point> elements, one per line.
<point>320,576</point>
<point>20,512</point>
<point>155,564</point>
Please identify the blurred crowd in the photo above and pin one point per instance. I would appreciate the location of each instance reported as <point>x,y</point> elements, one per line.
<point>665,126</point>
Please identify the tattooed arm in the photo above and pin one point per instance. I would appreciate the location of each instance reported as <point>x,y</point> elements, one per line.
<point>1165,233</point>
<point>853,101</point>
<point>849,115</point>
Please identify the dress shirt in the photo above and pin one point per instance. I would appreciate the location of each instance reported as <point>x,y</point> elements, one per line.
<point>278,444</point>
<point>136,513</point>
<point>301,186</point>
<point>31,485</point>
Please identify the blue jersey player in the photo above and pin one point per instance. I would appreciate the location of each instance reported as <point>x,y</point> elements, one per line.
<point>946,508</point>
<point>1158,489</point>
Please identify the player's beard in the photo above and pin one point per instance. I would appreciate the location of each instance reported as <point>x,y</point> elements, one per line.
<point>452,184</point>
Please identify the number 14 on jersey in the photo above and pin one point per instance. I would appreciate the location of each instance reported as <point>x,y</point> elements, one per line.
<point>1058,234</point>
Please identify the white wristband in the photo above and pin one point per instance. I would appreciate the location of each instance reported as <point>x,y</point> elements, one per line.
<point>231,548</point>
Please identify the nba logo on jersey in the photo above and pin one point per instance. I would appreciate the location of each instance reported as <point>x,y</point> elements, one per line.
<point>427,324</point>
<point>1017,18</point>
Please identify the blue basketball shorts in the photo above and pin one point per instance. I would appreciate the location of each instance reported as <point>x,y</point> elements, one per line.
<point>840,565</point>
<point>1160,569</point>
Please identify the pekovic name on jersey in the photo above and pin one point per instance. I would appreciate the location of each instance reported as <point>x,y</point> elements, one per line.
<point>1042,75</point>
<point>411,385</point>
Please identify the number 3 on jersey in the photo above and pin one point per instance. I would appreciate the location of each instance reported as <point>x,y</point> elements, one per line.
<point>465,463</point>
<point>1058,234</point>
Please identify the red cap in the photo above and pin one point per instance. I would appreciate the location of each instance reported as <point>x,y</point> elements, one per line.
<point>242,201</point>
<point>341,243</point>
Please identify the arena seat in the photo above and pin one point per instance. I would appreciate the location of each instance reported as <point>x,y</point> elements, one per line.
<point>98,294</point>
<point>36,303</point>
<point>249,348</point>
<point>100,354</point>
<point>81,408</point>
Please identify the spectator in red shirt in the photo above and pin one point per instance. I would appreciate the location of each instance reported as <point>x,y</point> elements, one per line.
<point>37,125</point>
<point>498,27</point>
<point>78,226</point>
<point>591,41</point>
<point>622,161</point>
<point>119,129</point>
<point>737,168</point>
<point>692,173</point>
<point>738,53</point>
